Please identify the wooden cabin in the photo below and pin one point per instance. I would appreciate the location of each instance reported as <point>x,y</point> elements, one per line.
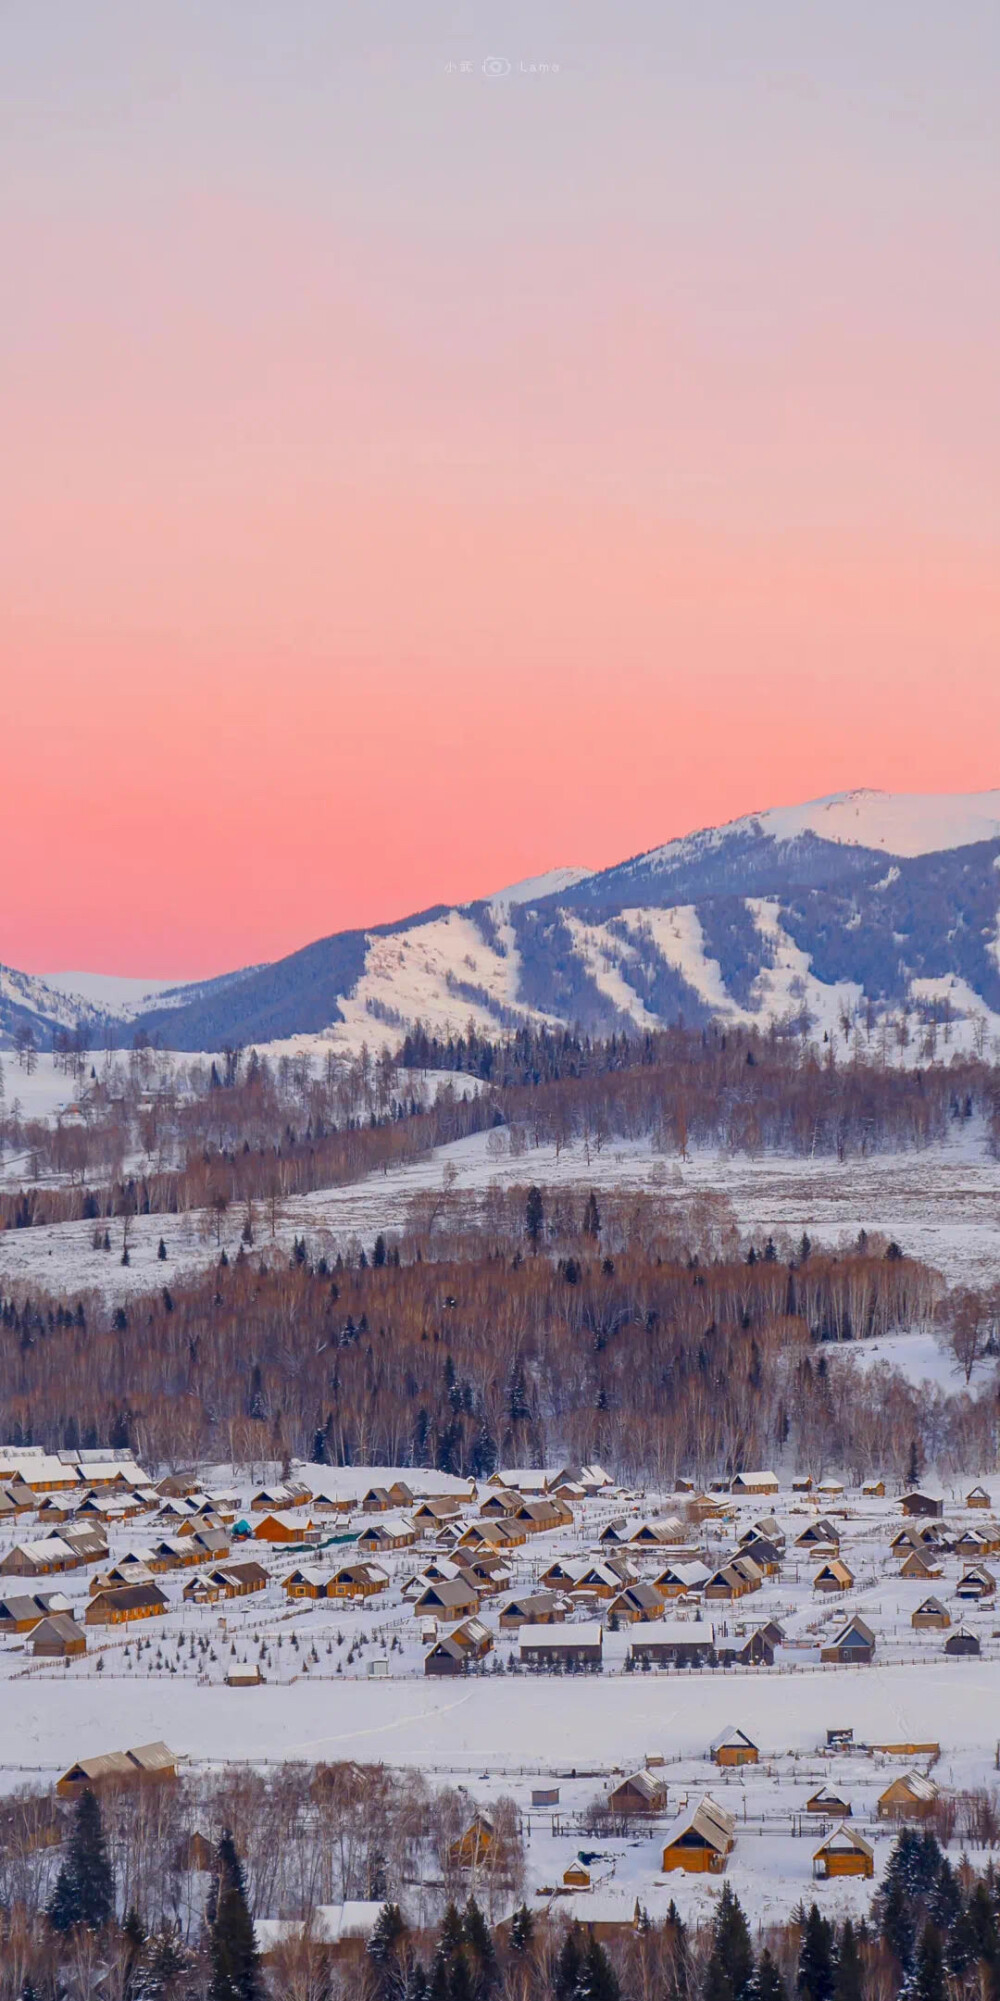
<point>734,1747</point>
<point>977,1497</point>
<point>275,1527</point>
<point>931,1616</point>
<point>919,1567</point>
<point>577,1876</point>
<point>675,1643</point>
<point>916,1504</point>
<point>637,1604</point>
<point>962,1645</point>
<point>755,1484</point>
<point>19,1614</point>
<point>845,1852</point>
<point>125,1603</point>
<point>910,1797</point>
<point>821,1534</point>
<point>454,1652</point>
<point>759,1650</point>
<point>240,1580</point>
<point>833,1576</point>
<point>305,1583</point>
<point>480,1843</point>
<point>678,1580</point>
<point>562,1646</point>
<point>854,1645</point>
<point>701,1839</point>
<point>357,1580</point>
<point>642,1793</point>
<point>154,1763</point>
<point>874,1490</point>
<point>58,1638</point>
<point>447,1602</point>
<point>535,1608</point>
<point>976,1584</point>
<point>831,1803</point>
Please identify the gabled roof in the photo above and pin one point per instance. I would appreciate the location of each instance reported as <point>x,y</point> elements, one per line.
<point>732,1738</point>
<point>845,1840</point>
<point>854,1629</point>
<point>706,1819</point>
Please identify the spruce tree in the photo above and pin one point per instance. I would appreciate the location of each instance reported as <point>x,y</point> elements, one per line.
<point>568,1967</point>
<point>929,1979</point>
<point>681,1970</point>
<point>534,1217</point>
<point>385,1946</point>
<point>85,1886</point>
<point>522,1929</point>
<point>235,1959</point>
<point>729,1973</point>
<point>597,1980</point>
<point>479,1945</point>
<point>847,1984</point>
<point>815,1975</point>
<point>770,1986</point>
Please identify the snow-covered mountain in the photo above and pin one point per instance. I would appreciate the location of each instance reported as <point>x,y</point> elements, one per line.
<point>865,908</point>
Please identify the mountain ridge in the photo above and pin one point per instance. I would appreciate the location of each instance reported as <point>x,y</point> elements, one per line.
<point>796,917</point>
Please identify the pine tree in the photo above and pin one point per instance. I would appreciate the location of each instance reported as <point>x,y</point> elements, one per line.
<point>815,1974</point>
<point>534,1217</point>
<point>522,1929</point>
<point>929,1979</point>
<point>597,1980</point>
<point>385,1942</point>
<point>681,1970</point>
<point>592,1217</point>
<point>568,1967</point>
<point>85,1887</point>
<point>479,1944</point>
<point>235,1959</point>
<point>847,1984</point>
<point>769,1985</point>
<point>730,1967</point>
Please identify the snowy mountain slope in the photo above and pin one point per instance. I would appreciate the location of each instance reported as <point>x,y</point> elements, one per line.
<point>865,904</point>
<point>901,823</point>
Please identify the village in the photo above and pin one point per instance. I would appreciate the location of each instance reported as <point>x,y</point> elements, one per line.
<point>761,1679</point>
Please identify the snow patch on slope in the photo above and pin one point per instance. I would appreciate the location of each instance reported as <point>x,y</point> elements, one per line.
<point>412,976</point>
<point>604,957</point>
<point>678,936</point>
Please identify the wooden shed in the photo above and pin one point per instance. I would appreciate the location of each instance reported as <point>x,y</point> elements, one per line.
<point>931,1616</point>
<point>58,1638</point>
<point>734,1747</point>
<point>700,1840</point>
<point>126,1603</point>
<point>833,1576</point>
<point>962,1645</point>
<point>977,1497</point>
<point>829,1802</point>
<point>845,1852</point>
<point>910,1797</point>
<point>854,1645</point>
<point>641,1793</point>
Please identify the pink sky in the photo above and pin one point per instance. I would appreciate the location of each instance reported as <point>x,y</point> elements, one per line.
<point>410,482</point>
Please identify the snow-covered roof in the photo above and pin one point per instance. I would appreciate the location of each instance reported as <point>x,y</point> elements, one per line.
<point>589,1633</point>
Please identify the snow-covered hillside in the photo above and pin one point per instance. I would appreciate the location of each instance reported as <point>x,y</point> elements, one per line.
<point>863,907</point>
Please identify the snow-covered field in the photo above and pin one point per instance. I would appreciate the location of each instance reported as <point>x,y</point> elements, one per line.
<point>941,1205</point>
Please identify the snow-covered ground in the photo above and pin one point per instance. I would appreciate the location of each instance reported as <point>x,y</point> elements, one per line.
<point>941,1204</point>
<point>499,1732</point>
